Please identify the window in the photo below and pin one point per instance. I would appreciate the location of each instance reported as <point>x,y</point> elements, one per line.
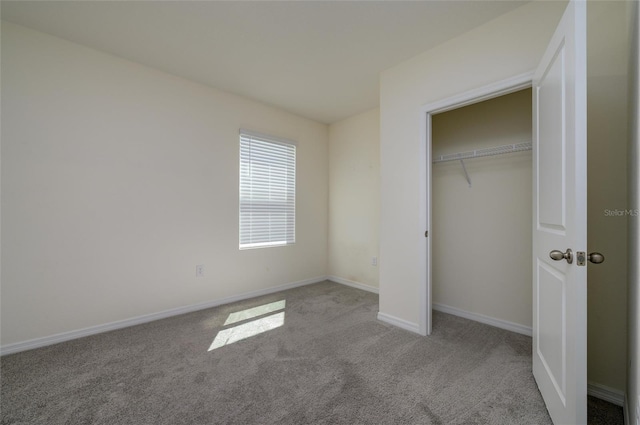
<point>267,191</point>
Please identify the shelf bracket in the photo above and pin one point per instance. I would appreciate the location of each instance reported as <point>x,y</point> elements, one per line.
<point>466,175</point>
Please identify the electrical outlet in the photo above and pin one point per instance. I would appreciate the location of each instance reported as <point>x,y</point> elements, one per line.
<point>374,261</point>
<point>200,270</point>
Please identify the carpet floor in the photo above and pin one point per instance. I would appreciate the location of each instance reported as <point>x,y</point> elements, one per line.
<point>318,356</point>
<point>600,412</point>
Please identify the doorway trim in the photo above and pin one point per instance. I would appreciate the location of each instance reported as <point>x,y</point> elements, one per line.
<point>490,91</point>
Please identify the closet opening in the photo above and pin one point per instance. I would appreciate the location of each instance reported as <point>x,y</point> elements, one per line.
<point>481,211</point>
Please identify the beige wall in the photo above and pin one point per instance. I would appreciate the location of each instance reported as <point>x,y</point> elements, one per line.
<point>633,338</point>
<point>607,190</point>
<point>510,45</point>
<point>118,179</point>
<point>354,198</point>
<point>481,235</point>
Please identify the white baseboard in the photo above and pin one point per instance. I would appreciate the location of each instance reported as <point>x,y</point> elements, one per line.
<point>353,284</point>
<point>498,323</point>
<point>93,330</point>
<point>625,409</point>
<point>401,323</point>
<point>606,393</point>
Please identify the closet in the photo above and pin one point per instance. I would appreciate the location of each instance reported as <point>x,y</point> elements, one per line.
<point>482,211</point>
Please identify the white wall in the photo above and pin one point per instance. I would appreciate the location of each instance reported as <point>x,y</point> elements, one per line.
<point>633,375</point>
<point>354,198</point>
<point>118,179</point>
<point>509,45</point>
<point>481,235</point>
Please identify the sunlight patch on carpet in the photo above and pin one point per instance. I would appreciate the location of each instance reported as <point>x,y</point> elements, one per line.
<point>247,330</point>
<point>250,313</point>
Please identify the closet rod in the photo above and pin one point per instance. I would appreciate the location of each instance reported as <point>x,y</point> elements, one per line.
<point>478,153</point>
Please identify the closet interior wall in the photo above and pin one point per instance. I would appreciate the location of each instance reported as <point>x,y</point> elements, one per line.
<point>481,246</point>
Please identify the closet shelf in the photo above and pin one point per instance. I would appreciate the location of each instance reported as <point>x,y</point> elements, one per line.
<point>479,153</point>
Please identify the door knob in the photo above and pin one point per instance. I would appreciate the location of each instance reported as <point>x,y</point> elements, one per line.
<point>559,255</point>
<point>595,258</point>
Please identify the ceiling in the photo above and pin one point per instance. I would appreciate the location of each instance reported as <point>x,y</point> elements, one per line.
<point>317,59</point>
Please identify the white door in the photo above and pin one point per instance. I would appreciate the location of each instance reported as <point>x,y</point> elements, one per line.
<point>560,220</point>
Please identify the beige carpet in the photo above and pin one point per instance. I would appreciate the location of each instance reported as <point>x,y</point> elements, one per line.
<point>321,358</point>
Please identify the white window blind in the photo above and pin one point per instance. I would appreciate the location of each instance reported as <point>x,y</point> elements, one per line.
<point>267,191</point>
